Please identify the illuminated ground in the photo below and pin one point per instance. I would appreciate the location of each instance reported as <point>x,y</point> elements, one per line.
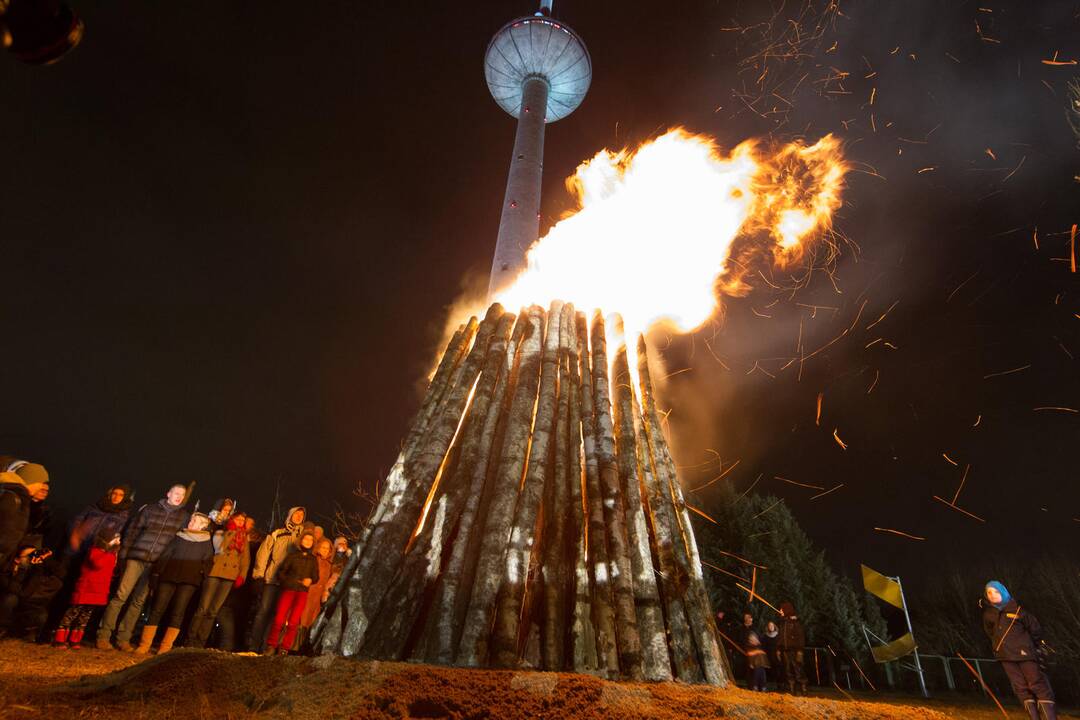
<point>39,682</point>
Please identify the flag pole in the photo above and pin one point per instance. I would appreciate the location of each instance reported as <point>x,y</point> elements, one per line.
<point>907,617</point>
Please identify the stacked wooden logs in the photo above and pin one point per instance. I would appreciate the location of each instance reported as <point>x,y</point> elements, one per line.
<point>533,518</point>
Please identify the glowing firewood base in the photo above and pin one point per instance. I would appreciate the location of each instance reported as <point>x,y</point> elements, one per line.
<point>534,518</point>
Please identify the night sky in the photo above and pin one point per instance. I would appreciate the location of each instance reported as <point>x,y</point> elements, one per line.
<point>231,233</point>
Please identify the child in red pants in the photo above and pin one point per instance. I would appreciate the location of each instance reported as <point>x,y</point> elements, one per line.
<point>91,589</point>
<point>296,574</point>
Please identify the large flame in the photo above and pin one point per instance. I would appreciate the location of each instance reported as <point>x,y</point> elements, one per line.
<point>654,233</point>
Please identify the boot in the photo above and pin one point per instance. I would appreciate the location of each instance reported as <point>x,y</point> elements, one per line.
<point>1048,709</point>
<point>1032,708</point>
<point>103,642</point>
<point>791,686</point>
<point>168,640</point>
<point>147,639</point>
<point>60,638</point>
<point>76,639</point>
<point>802,688</point>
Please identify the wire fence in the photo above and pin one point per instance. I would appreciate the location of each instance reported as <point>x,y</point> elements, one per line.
<point>829,668</point>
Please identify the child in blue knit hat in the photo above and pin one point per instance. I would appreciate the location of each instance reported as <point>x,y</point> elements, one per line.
<point>1016,638</point>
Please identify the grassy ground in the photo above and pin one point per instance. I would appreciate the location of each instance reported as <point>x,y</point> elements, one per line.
<point>39,682</point>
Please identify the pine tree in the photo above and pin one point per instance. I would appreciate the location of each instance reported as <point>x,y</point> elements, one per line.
<point>758,534</point>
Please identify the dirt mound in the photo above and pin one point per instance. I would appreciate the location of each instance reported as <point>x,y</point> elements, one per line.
<point>207,684</point>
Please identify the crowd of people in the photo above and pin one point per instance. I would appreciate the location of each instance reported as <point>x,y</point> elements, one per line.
<point>117,556</point>
<point>777,650</point>
<point>129,577</point>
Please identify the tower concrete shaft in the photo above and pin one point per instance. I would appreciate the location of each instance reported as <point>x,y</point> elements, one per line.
<point>519,226</point>
<point>538,71</point>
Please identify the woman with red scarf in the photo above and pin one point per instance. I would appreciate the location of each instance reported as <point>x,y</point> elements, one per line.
<point>229,569</point>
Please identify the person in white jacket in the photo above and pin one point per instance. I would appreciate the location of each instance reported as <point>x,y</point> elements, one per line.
<point>274,549</point>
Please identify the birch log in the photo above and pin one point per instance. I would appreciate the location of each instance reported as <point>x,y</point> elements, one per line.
<point>684,663</point>
<point>522,532</point>
<point>389,536</point>
<point>556,576</point>
<point>401,606</point>
<point>583,643</point>
<point>614,514</point>
<point>607,650</point>
<point>447,615</point>
<point>330,624</point>
<point>695,601</point>
<point>473,647</point>
<point>650,616</point>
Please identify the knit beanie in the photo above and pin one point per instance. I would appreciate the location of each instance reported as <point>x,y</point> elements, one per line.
<point>32,473</point>
<point>1005,596</point>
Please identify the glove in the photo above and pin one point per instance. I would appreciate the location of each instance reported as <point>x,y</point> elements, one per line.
<point>1042,653</point>
<point>239,581</point>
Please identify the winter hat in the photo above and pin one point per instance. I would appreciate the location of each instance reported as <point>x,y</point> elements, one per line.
<point>30,472</point>
<point>1005,596</point>
<point>787,610</point>
<point>300,541</point>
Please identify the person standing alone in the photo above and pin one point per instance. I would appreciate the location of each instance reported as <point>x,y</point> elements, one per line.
<point>1016,638</point>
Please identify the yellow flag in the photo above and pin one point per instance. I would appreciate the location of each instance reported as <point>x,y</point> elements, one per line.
<point>895,650</point>
<point>884,587</point>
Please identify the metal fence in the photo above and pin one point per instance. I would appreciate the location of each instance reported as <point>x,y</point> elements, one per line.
<point>943,673</point>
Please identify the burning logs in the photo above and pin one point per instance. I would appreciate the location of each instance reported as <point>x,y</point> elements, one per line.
<point>533,518</point>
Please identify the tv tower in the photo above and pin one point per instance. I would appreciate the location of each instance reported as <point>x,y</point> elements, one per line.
<point>538,70</point>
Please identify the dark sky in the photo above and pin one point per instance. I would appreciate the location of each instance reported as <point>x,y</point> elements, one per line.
<point>230,232</point>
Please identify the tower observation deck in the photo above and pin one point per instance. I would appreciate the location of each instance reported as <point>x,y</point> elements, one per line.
<point>538,70</point>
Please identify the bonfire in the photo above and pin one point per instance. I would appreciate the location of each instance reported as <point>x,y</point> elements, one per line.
<point>534,517</point>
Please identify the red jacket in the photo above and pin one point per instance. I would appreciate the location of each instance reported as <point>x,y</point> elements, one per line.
<point>92,587</point>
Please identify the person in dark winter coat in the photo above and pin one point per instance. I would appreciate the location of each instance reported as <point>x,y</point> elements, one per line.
<point>178,573</point>
<point>150,531</point>
<point>1016,638</point>
<point>769,639</point>
<point>791,644</point>
<point>277,546</point>
<point>296,574</point>
<point>28,585</point>
<point>746,631</point>
<point>229,569</point>
<point>91,589</point>
<point>20,483</point>
<point>319,590</point>
<point>109,514</point>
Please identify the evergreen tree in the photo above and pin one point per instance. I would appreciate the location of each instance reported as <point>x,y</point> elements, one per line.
<point>758,533</point>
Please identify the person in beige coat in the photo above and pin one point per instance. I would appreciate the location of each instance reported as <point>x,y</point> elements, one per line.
<point>229,570</point>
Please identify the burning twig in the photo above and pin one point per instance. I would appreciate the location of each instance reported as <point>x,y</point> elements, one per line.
<point>836,437</point>
<point>792,482</point>
<point>899,532</point>
<point>718,477</point>
<point>1006,372</point>
<point>821,495</point>
<point>984,685</point>
<point>956,507</point>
